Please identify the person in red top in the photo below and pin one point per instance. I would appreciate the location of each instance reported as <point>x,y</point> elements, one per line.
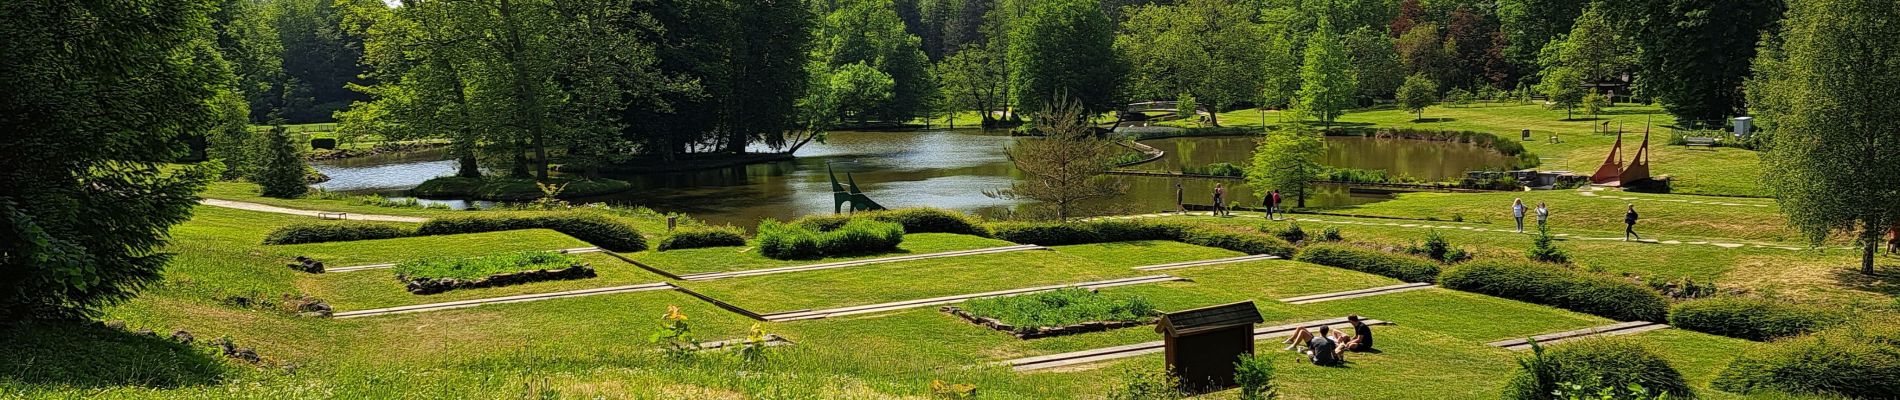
<point>1273,204</point>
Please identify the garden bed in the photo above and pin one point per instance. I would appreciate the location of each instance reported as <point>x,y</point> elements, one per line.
<point>431,276</point>
<point>1056,313</point>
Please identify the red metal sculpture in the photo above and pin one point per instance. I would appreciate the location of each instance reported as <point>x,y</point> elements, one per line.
<point>1615,173</point>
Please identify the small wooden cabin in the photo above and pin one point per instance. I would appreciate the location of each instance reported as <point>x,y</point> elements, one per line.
<point>1204,343</point>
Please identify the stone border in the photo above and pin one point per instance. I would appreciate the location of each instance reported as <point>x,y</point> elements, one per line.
<point>427,286</point>
<point>1043,332</point>
<point>1131,350</point>
<point>505,299</point>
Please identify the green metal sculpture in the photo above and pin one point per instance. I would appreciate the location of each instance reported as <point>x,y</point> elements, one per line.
<point>848,193</point>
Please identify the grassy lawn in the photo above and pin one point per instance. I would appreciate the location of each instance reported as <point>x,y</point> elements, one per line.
<point>1661,219</point>
<point>360,252</point>
<point>248,192</point>
<point>740,258</point>
<point>362,290</point>
<point>879,283</point>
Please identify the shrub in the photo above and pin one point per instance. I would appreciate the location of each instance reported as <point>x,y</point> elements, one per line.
<point>1396,266</point>
<point>786,242</point>
<point>861,236</point>
<point>1062,307</point>
<point>600,230</point>
<point>1331,234</point>
<point>1543,249</point>
<point>1592,365</point>
<point>1254,375</point>
<point>515,189</point>
<point>472,268</point>
<point>1749,318</point>
<point>1437,248</point>
<point>914,220</point>
<point>1057,234</point>
<point>1559,287</point>
<point>1147,384</point>
<point>821,222</point>
<point>1683,288</point>
<point>1292,233</point>
<point>337,231</point>
<point>702,236</point>
<point>1856,360</point>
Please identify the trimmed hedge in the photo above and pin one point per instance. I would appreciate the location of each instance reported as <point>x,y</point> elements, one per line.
<point>1560,287</point>
<point>914,220</point>
<point>336,231</point>
<point>1749,318</point>
<point>1401,267</point>
<point>1855,360</point>
<point>1595,364</point>
<point>1057,234</point>
<point>698,237</point>
<point>514,189</point>
<point>599,230</point>
<point>857,236</point>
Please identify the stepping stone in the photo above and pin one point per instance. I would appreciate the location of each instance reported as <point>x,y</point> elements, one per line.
<point>770,340</point>
<point>577,250</point>
<point>1132,350</point>
<point>1671,242</point>
<point>1163,267</point>
<point>1623,328</point>
<point>1350,294</point>
<point>1728,245</point>
<point>854,263</point>
<point>802,315</point>
<point>507,299</point>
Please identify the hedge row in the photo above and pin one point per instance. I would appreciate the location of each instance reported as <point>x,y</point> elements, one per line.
<point>335,231</point>
<point>1396,266</point>
<point>858,236</point>
<point>599,230</point>
<point>1595,365</point>
<point>1854,360</point>
<point>1559,287</point>
<point>914,220</point>
<point>1749,318</point>
<point>1057,234</point>
<point>702,236</point>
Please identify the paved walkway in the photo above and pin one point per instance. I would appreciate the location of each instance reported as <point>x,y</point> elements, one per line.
<point>1624,328</point>
<point>1125,351</point>
<point>308,213</point>
<point>1723,243</point>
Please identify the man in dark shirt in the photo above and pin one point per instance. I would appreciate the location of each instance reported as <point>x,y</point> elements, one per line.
<point>1361,339</point>
<point>1322,349</point>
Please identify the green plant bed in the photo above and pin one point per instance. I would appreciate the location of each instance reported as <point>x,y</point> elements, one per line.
<point>436,275</point>
<point>1585,368</point>
<point>1561,287</point>
<point>1396,266</point>
<point>857,236</point>
<point>1750,318</point>
<point>1856,360</point>
<point>1057,312</point>
<point>1056,234</point>
<point>701,237</point>
<point>514,189</point>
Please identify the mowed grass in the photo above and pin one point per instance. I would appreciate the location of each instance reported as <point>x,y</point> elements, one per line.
<point>1662,216</point>
<point>910,280</point>
<point>378,288</point>
<point>740,258</point>
<point>361,252</point>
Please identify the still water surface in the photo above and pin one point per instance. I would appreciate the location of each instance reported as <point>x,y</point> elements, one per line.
<point>934,168</point>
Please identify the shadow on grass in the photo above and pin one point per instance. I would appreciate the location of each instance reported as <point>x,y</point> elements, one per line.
<point>88,355</point>
<point>1433,120</point>
<point>1885,279</point>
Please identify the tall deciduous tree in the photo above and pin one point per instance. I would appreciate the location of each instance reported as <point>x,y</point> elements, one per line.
<point>1210,49</point>
<point>88,197</point>
<point>973,80</point>
<point>1327,80</point>
<point>1696,52</point>
<point>319,59</point>
<point>1376,61</point>
<point>1594,49</point>
<point>1068,165</point>
<point>1287,159</point>
<point>1834,163</point>
<point>1417,93</point>
<point>1529,25</point>
<point>249,42</point>
<point>870,32</point>
<point>1563,86</point>
<point>1065,49</point>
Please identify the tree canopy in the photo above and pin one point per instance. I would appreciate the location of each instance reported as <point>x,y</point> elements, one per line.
<point>1065,49</point>
<point>1210,49</point>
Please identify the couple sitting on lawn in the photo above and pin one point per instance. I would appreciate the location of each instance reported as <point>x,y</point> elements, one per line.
<point>1329,347</point>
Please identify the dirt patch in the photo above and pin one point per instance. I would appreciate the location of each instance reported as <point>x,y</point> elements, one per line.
<point>1831,279</point>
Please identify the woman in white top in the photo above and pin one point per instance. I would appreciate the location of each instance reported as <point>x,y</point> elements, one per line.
<point>1543,214</point>
<point>1517,211</point>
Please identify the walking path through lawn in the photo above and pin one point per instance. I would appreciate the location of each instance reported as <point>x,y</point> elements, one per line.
<point>1186,264</point>
<point>310,213</point>
<point>1624,328</point>
<point>578,250</point>
<point>1125,351</point>
<point>507,299</point>
<point>1353,294</point>
<point>1593,193</point>
<point>854,263</point>
<point>1717,242</point>
<point>802,315</point>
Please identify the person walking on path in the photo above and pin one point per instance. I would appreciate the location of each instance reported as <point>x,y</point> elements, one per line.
<point>1220,193</point>
<point>1543,215</point>
<point>1517,211</point>
<point>1629,224</point>
<point>1179,205</point>
<point>1273,204</point>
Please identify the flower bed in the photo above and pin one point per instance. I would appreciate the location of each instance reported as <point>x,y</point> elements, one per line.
<point>1056,313</point>
<point>431,276</point>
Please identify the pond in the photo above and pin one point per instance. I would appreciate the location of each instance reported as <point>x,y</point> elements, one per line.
<point>936,168</point>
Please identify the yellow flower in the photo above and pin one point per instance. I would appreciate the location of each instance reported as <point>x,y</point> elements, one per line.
<point>673,313</point>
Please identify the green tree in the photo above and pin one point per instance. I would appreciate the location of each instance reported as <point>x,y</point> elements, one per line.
<point>319,59</point>
<point>278,167</point>
<point>1563,86</point>
<point>1065,49</point>
<point>1327,81</point>
<point>1834,163</point>
<point>1287,159</point>
<point>1067,165</point>
<point>1594,102</point>
<point>249,42</point>
<point>973,80</point>
<point>870,32</point>
<point>230,141</point>
<point>1376,60</point>
<point>855,89</point>
<point>1210,49</point>
<point>1595,49</point>
<point>1693,52</point>
<point>1421,50</point>
<point>88,194</point>
<point>1417,93</point>
<point>1529,25</point>
<point>1281,70</point>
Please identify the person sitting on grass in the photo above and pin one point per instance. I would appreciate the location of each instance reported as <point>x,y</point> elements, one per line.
<point>1360,341</point>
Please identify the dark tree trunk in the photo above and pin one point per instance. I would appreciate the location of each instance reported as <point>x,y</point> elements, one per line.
<point>467,167</point>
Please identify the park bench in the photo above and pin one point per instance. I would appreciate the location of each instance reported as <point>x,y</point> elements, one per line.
<point>333,215</point>
<point>1699,142</point>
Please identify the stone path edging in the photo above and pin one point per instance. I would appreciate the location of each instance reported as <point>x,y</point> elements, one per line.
<point>1125,351</point>
<point>502,300</point>
<point>247,206</point>
<point>802,315</point>
<point>1186,264</point>
<point>853,263</point>
<point>1353,294</point>
<point>1623,328</point>
<point>353,268</point>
